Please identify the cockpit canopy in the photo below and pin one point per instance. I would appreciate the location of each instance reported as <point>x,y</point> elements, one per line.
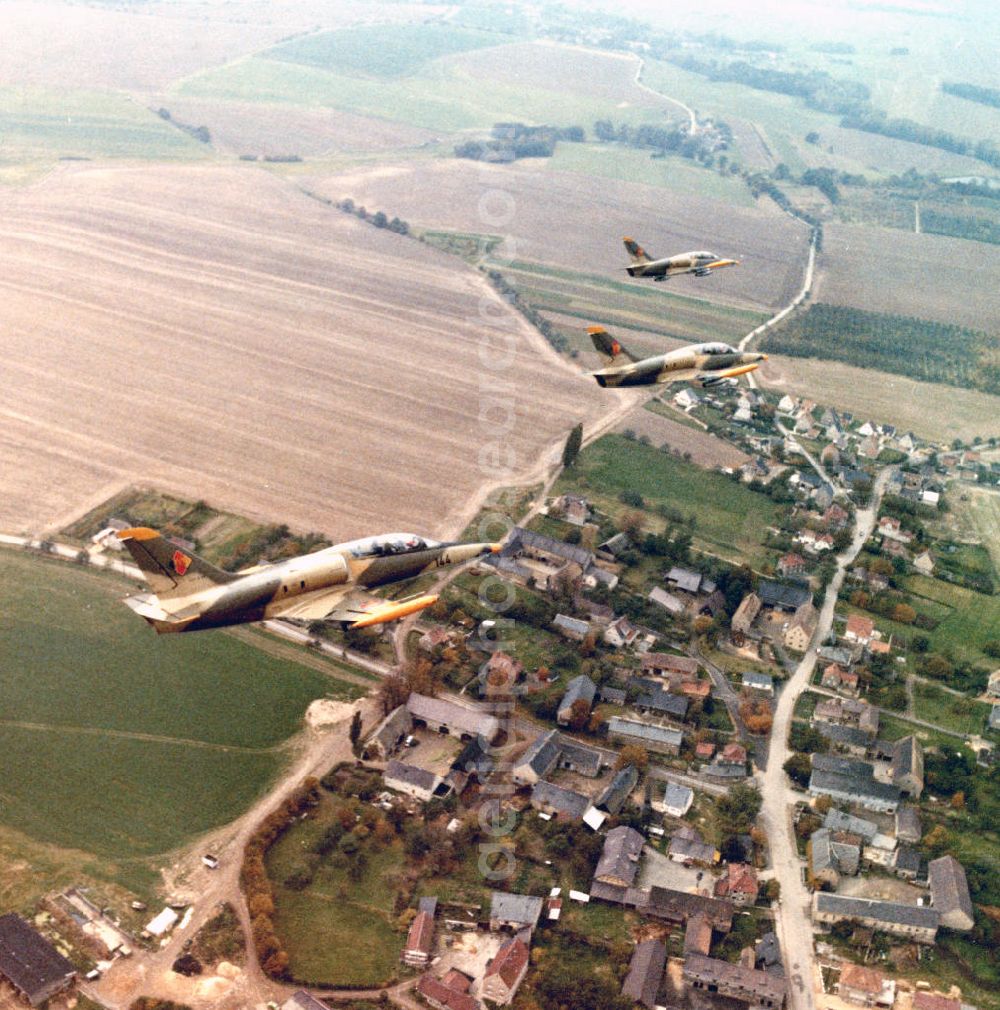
<point>715,348</point>
<point>704,255</point>
<point>388,543</point>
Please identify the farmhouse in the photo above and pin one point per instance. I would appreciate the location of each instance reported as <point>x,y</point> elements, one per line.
<point>618,790</point>
<point>854,788</point>
<point>443,716</point>
<point>800,628</point>
<point>859,629</point>
<point>831,854</point>
<point>950,893</point>
<point>645,972</point>
<point>908,766</point>
<point>538,760</point>
<point>848,712</point>
<point>551,564</point>
<point>746,614</point>
<point>579,690</point>
<point>389,734</point>
<point>505,972</point>
<point>662,664</point>
<point>419,940</point>
<point>413,781</point>
<point>688,847</point>
<point>676,800</point>
<point>738,883</point>
<point>866,987</point>
<point>619,862</point>
<point>448,993</point>
<point>662,703</point>
<point>558,801</point>
<point>571,627</point>
<point>784,596</point>
<point>514,911</point>
<point>621,633</point>
<point>32,966</point>
<point>912,921</point>
<point>654,738</point>
<point>837,678</point>
<point>760,990</point>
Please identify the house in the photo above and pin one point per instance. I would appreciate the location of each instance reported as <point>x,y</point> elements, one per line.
<point>767,954</point>
<point>570,507</point>
<point>679,906</point>
<point>759,990</point>
<point>621,633</point>
<point>619,862</point>
<point>301,1000</point>
<point>688,847</point>
<point>538,760</point>
<point>615,795</point>
<point>784,596</point>
<point>787,405</point>
<point>442,716</point>
<point>704,750</point>
<point>993,684</point>
<point>645,972</point>
<point>615,546</point>
<point>762,682</point>
<point>732,754</point>
<point>550,564</point>
<point>662,703</point>
<point>924,563</point>
<point>559,801</point>
<point>571,627</point>
<point>389,734</point>
<point>859,629</point>
<point>580,689</point>
<point>853,788</point>
<point>419,940</point>
<point>448,993</point>
<point>848,739</point>
<point>746,614</point>
<point>908,826</point>
<point>832,854</point>
<point>889,527</point>
<point>514,911</point>
<point>914,922</point>
<point>791,564</point>
<point>798,635</point>
<point>835,518</point>
<point>907,863</point>
<point>505,972</point>
<point>686,580</point>
<point>29,963</point>
<point>848,712</point>
<point>434,638</point>
<point>660,739</point>
<point>417,782</point>
<point>675,801</point>
<point>502,672</point>
<point>934,1001</point>
<point>950,893</point>
<point>670,603</point>
<point>663,664</point>
<point>687,399</point>
<point>738,884</point>
<point>907,768</point>
<point>575,757</point>
<point>866,987</point>
<point>837,678</point>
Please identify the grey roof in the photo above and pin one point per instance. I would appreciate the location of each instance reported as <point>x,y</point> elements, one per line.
<point>837,820</point>
<point>521,538</point>
<point>614,695</point>
<point>768,952</point>
<point>860,770</point>
<point>428,905</point>
<point>521,909</point>
<point>908,824</point>
<point>664,702</point>
<point>734,978</point>
<point>949,888</point>
<point>618,790</point>
<point>620,855</point>
<point>759,681</point>
<point>474,757</point>
<point>645,972</point>
<point>675,795</point>
<point>584,759</point>
<point>685,579</point>
<point>828,853</point>
<point>399,771</point>
<point>448,713</point>
<point>993,722</point>
<point>836,654</point>
<point>883,911</point>
<point>550,797</point>
<point>784,594</point>
<point>542,754</point>
<point>616,544</point>
<point>396,724</point>
<point>645,732</point>
<point>907,859</point>
<point>579,688</point>
<point>573,624</point>
<point>302,1000</point>
<point>691,848</point>
<point>28,960</point>
<point>906,757</point>
<point>850,736</point>
<point>666,600</point>
<point>852,786</point>
<point>678,906</point>
<point>723,771</point>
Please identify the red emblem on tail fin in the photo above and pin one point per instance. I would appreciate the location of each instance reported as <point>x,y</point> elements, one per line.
<point>181,562</point>
<point>616,348</point>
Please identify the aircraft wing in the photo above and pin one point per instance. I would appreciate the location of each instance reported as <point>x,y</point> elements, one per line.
<point>680,375</point>
<point>353,607</point>
<point>713,378</point>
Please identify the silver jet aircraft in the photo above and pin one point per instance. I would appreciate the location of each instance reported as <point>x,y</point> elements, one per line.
<point>698,263</point>
<point>189,594</point>
<point>700,364</point>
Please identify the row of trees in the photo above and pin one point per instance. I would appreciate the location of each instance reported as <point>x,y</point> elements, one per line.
<point>379,219</point>
<point>510,295</point>
<point>972,92</point>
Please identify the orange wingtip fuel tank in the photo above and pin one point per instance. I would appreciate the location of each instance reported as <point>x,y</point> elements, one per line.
<point>138,533</point>
<point>393,612</point>
<point>722,263</point>
<point>742,370</point>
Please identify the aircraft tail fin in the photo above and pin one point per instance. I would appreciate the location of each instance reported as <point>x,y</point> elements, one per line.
<point>608,347</point>
<point>635,251</point>
<point>170,570</point>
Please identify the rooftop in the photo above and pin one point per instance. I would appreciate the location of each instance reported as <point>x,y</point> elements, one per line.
<point>28,960</point>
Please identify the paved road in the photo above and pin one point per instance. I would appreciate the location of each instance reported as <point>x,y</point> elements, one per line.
<point>793,924</point>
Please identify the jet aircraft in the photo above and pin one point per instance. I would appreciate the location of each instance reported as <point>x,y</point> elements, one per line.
<point>698,263</point>
<point>700,364</point>
<point>189,594</point>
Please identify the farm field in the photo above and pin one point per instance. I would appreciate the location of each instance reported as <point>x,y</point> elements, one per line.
<point>980,510</point>
<point>931,410</point>
<point>661,429</point>
<point>962,715</point>
<point>888,270</point>
<point>121,745</point>
<point>729,519</point>
<point>974,619</point>
<point>549,217</point>
<point>216,333</point>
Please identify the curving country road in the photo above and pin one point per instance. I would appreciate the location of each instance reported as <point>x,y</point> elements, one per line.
<point>794,928</point>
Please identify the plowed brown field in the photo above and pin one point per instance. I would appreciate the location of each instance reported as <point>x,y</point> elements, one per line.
<point>578,222</point>
<point>216,332</point>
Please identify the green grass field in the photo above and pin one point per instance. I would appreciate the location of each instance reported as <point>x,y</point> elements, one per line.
<point>47,124</point>
<point>615,161</point>
<point>381,51</point>
<point>730,519</point>
<point>962,715</point>
<point>973,620</point>
<point>981,510</point>
<point>121,744</point>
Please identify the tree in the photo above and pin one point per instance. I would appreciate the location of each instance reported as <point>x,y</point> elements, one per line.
<point>571,449</point>
<point>355,731</point>
<point>738,809</point>
<point>772,890</point>
<point>393,691</point>
<point>904,613</point>
<point>633,754</point>
<point>579,715</point>
<point>799,768</point>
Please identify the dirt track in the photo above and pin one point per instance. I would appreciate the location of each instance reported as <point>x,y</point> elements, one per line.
<point>217,333</point>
